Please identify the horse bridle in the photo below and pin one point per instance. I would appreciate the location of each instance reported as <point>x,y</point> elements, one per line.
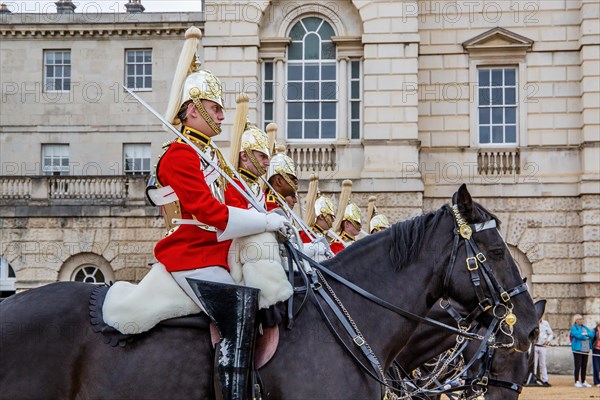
<point>477,264</point>
<point>317,284</point>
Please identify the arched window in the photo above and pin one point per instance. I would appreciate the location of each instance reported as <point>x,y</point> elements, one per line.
<point>88,274</point>
<point>311,82</point>
<point>7,278</point>
<point>88,268</point>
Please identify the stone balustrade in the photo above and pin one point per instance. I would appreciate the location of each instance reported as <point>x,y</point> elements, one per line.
<point>313,157</point>
<point>81,188</point>
<point>498,162</point>
<point>17,187</point>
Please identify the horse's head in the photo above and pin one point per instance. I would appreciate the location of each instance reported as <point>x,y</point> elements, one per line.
<point>485,274</point>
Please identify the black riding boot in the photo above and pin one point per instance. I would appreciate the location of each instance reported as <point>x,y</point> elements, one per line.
<point>233,309</point>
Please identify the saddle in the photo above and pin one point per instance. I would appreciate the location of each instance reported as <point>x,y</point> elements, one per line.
<point>266,343</point>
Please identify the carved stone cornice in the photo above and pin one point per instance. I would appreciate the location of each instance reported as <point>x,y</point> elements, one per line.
<point>98,32</point>
<point>97,25</point>
<point>274,47</point>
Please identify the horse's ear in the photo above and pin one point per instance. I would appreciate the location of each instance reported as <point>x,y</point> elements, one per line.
<point>463,199</point>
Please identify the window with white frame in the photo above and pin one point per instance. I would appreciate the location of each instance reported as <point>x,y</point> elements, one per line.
<point>138,69</point>
<point>57,70</point>
<point>137,157</point>
<point>311,83</point>
<point>55,159</point>
<point>355,99</point>
<point>497,105</point>
<point>268,99</point>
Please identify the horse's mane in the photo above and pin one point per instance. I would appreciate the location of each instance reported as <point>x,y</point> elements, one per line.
<point>406,237</point>
<point>403,240</point>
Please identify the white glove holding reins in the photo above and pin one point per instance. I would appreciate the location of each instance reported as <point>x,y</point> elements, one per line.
<point>276,222</point>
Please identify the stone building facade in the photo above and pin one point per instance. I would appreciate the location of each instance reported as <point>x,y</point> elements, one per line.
<point>501,95</point>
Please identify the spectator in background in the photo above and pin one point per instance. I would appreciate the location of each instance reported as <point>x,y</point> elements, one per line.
<point>581,342</point>
<point>546,335</point>
<point>596,354</point>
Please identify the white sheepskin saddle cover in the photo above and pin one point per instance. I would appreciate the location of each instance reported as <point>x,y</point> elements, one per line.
<point>133,309</point>
<point>255,261</point>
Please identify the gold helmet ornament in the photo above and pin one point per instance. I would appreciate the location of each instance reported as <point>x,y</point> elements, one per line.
<point>254,139</point>
<point>352,215</point>
<point>191,83</point>
<point>378,223</point>
<point>318,205</point>
<point>283,165</point>
<point>324,206</point>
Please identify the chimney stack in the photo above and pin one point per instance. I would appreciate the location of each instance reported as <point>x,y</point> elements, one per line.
<point>134,6</point>
<point>65,7</point>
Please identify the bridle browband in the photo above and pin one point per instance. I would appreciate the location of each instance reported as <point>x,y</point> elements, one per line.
<point>316,284</point>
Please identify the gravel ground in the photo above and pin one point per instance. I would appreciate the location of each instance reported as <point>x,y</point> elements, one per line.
<point>562,389</point>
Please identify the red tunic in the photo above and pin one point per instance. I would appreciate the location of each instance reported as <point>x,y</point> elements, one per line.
<point>336,246</point>
<point>270,201</point>
<point>191,247</point>
<point>304,237</point>
<point>234,198</point>
<point>316,229</point>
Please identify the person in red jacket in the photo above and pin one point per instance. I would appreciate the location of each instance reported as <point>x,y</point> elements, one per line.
<point>202,226</point>
<point>282,177</point>
<point>253,161</point>
<point>350,227</point>
<point>378,223</point>
<point>320,219</point>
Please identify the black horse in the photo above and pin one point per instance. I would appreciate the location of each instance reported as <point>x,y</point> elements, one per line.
<point>47,341</point>
<point>499,373</point>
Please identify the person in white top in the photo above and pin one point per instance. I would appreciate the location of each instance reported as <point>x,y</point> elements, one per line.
<point>546,335</point>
